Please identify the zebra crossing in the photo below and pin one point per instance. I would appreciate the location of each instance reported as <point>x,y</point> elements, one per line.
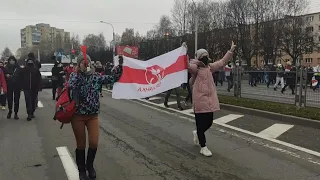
<point>289,135</point>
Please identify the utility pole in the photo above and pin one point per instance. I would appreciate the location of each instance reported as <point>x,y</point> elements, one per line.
<point>113,39</point>
<point>196,22</point>
<point>196,35</point>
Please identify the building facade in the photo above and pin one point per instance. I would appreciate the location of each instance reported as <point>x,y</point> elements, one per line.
<point>33,34</point>
<point>312,57</point>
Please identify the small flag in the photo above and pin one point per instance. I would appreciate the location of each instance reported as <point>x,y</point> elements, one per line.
<point>84,52</point>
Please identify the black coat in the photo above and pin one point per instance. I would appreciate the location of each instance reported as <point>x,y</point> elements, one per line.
<point>30,78</point>
<point>13,72</point>
<point>56,75</point>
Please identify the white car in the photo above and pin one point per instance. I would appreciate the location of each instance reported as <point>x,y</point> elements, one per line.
<point>46,74</point>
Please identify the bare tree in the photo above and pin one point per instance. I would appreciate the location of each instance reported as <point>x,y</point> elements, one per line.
<point>94,43</point>
<point>75,42</point>
<point>180,12</point>
<point>117,39</point>
<point>6,52</point>
<point>152,34</point>
<point>271,30</point>
<point>297,36</point>
<point>239,17</point>
<point>130,38</point>
<point>165,26</point>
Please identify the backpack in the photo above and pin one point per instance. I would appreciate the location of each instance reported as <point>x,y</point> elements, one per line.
<point>66,106</point>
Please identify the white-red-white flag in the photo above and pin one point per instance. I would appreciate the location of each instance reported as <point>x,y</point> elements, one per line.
<point>141,79</point>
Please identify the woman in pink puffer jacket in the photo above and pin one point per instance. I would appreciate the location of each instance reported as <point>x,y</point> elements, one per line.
<point>205,99</point>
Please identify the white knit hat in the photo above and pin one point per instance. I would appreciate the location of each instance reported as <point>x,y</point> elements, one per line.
<point>201,53</point>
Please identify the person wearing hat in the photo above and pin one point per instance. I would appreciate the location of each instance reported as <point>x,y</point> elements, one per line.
<point>30,79</point>
<point>85,82</point>
<point>279,78</point>
<point>57,78</point>
<point>290,77</point>
<point>14,90</point>
<point>205,98</point>
<point>37,64</point>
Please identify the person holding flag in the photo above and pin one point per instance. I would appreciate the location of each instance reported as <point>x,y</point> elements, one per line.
<point>205,99</point>
<point>86,83</point>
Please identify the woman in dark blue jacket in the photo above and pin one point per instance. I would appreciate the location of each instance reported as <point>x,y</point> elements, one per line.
<point>86,83</point>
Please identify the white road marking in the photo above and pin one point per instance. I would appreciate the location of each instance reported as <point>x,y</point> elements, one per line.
<point>68,163</point>
<point>275,130</point>
<point>295,147</point>
<point>154,98</point>
<point>227,118</point>
<point>40,105</point>
<point>172,103</point>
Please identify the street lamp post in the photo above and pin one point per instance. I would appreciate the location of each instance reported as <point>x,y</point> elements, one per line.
<point>196,19</point>
<point>113,36</point>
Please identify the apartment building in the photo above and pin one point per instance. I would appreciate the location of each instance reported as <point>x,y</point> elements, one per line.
<point>31,35</point>
<point>312,57</point>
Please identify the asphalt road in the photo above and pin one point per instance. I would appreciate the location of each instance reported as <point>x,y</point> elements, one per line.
<point>143,143</point>
<point>261,92</point>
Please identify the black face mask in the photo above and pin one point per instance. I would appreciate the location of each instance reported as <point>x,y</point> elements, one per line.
<point>205,60</point>
<point>30,64</point>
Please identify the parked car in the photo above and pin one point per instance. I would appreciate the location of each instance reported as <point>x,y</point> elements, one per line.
<point>46,75</point>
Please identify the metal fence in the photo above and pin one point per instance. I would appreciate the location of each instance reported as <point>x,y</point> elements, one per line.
<point>261,85</point>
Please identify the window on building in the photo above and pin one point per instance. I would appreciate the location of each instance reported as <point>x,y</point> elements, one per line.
<point>310,18</point>
<point>309,50</point>
<point>310,39</point>
<point>309,29</point>
<point>270,61</point>
<point>308,60</point>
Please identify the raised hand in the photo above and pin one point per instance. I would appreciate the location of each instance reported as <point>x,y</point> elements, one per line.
<point>233,47</point>
<point>184,44</point>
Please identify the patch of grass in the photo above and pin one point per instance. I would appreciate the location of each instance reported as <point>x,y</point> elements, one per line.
<point>287,109</point>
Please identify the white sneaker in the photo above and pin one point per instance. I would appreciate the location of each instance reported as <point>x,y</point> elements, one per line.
<point>205,151</point>
<point>3,108</point>
<point>195,137</point>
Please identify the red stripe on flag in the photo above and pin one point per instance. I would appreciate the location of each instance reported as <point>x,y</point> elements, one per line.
<point>131,75</point>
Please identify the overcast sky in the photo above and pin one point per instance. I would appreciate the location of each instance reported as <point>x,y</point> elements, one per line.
<point>82,16</point>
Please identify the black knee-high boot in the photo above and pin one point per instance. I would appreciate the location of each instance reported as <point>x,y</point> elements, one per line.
<point>80,159</point>
<point>90,159</point>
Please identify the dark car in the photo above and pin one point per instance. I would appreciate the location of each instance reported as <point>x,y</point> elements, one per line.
<point>46,75</point>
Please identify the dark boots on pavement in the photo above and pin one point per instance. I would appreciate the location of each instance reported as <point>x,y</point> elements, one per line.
<point>90,159</point>
<point>15,115</point>
<point>80,159</point>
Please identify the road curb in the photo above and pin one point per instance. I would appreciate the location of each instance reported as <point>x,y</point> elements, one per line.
<point>271,115</point>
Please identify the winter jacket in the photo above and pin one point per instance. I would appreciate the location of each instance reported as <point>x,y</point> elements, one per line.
<point>205,98</point>
<point>37,64</point>
<point>280,72</point>
<point>56,74</point>
<point>87,87</point>
<point>30,78</point>
<point>11,74</point>
<point>3,83</point>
